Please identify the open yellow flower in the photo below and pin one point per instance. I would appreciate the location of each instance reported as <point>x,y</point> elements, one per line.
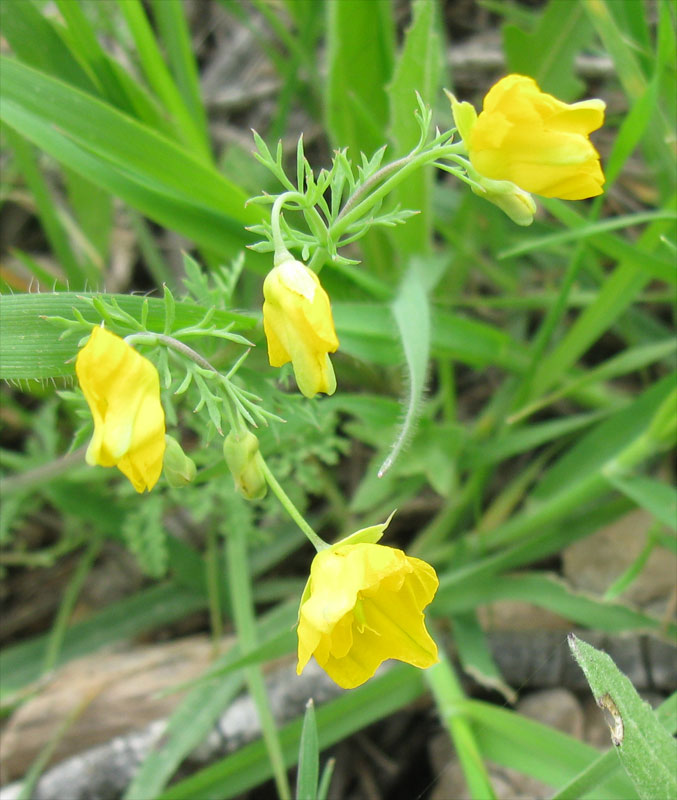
<point>533,139</point>
<point>363,604</point>
<point>299,326</point>
<point>122,389</point>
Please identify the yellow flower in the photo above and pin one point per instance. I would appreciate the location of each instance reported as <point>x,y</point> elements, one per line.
<point>529,137</point>
<point>299,326</point>
<point>363,603</point>
<point>122,389</point>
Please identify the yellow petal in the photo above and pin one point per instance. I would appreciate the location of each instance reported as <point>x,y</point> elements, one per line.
<point>364,604</point>
<point>299,327</point>
<point>122,389</point>
<point>536,141</point>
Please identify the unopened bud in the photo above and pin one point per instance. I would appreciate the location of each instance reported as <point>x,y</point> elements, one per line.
<point>513,201</point>
<point>240,451</point>
<point>179,469</point>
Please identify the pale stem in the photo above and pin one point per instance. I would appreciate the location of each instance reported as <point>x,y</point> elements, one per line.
<point>281,252</point>
<point>174,344</point>
<point>357,207</point>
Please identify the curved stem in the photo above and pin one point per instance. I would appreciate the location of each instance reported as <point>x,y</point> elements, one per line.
<point>289,507</point>
<point>175,344</point>
<point>281,252</point>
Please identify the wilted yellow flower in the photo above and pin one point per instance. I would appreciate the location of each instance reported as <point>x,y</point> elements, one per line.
<point>363,603</point>
<point>122,389</point>
<point>299,326</point>
<point>529,137</point>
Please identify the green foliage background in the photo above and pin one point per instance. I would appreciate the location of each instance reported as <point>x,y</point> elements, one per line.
<point>565,326</point>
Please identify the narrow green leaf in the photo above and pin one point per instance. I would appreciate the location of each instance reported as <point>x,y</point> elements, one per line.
<point>618,292</point>
<point>546,591</point>
<point>627,361</point>
<point>604,442</point>
<point>171,19</point>
<point>309,766</point>
<point>632,572</point>
<point>127,158</point>
<point>159,78</point>
<point>197,713</point>
<point>450,699</point>
<point>93,212</point>
<point>646,750</point>
<point>658,267</point>
<point>475,655</point>
<point>37,42</point>
<point>360,43</point>
<point>47,211</point>
<point>527,438</point>
<point>618,45</point>
<point>547,53</point>
<point>417,70</point>
<point>659,499</point>
<point>116,86</point>
<point>366,331</point>
<point>30,345</point>
<point>337,719</point>
<point>514,741</point>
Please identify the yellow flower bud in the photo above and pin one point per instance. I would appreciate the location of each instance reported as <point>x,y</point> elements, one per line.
<point>122,389</point>
<point>534,140</point>
<point>179,469</point>
<point>513,201</point>
<point>299,326</point>
<point>240,451</point>
<point>363,604</point>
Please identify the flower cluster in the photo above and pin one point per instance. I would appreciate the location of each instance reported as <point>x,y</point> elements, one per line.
<point>363,602</point>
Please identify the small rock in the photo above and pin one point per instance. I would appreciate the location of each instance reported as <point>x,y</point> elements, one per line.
<point>595,562</point>
<point>557,708</point>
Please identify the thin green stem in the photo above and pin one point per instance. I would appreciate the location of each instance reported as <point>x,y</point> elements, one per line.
<point>281,252</point>
<point>289,507</point>
<point>212,570</point>
<point>545,332</point>
<point>317,260</point>
<point>239,580</point>
<point>359,204</point>
<point>174,344</point>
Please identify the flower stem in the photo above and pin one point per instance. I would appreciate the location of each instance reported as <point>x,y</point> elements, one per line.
<point>281,252</point>
<point>245,622</point>
<point>289,507</point>
<point>175,344</point>
<point>392,174</point>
